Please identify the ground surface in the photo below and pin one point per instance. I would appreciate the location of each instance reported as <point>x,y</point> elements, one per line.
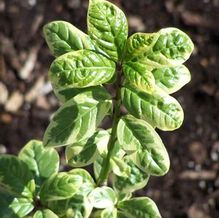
<point>191,189</point>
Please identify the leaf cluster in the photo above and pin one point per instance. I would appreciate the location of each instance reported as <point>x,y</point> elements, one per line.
<point>145,69</point>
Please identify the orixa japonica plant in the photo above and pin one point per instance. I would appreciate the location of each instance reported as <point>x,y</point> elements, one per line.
<point>144,70</point>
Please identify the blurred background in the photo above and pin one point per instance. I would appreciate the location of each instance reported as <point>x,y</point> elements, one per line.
<point>191,188</point>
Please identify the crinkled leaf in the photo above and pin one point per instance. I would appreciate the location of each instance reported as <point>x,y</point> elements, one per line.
<point>139,76</point>
<point>157,108</point>
<point>78,118</point>
<point>137,135</point>
<point>85,152</point>
<point>15,177</point>
<point>14,207</point>
<point>142,207</point>
<point>102,197</point>
<point>43,162</point>
<point>80,69</point>
<point>63,37</point>
<point>169,46</point>
<point>60,186</point>
<point>46,213</point>
<point>77,207</point>
<point>87,181</point>
<point>108,28</point>
<point>136,180</point>
<point>171,79</point>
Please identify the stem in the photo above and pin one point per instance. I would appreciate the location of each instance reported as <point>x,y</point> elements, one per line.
<point>116,115</point>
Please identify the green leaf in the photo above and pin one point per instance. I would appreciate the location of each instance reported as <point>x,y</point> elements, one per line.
<point>102,197</point>
<point>139,76</point>
<point>108,28</point>
<point>14,207</point>
<point>84,153</point>
<point>137,135</point>
<point>15,177</point>
<point>87,181</point>
<point>97,166</point>
<point>42,162</point>
<point>65,94</point>
<point>142,207</point>
<point>171,79</point>
<point>78,118</point>
<point>46,213</point>
<point>106,213</point>
<point>120,167</point>
<point>169,46</point>
<point>60,186</point>
<point>63,37</point>
<point>80,69</point>
<point>77,207</point>
<point>136,180</point>
<point>158,108</point>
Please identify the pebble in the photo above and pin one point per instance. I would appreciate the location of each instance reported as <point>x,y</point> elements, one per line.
<point>3,149</point>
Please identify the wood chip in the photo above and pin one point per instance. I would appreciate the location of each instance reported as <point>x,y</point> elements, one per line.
<point>136,23</point>
<point>3,93</point>
<point>201,175</point>
<point>198,152</point>
<point>196,212</point>
<point>35,90</point>
<point>15,102</point>
<point>30,63</point>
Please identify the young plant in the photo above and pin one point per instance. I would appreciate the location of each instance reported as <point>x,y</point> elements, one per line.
<point>144,70</point>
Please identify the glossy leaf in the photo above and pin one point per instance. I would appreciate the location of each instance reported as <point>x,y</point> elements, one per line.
<point>138,75</point>
<point>85,152</point>
<point>102,197</point>
<point>77,207</point>
<point>63,37</point>
<point>171,79</point>
<point>87,181</point>
<point>136,180</point>
<point>46,213</point>
<point>142,207</point>
<point>158,108</point>
<point>80,69</point>
<point>108,28</point>
<point>42,162</point>
<point>137,135</point>
<point>78,118</point>
<point>120,167</point>
<point>169,46</point>
<point>59,187</point>
<point>14,207</point>
<point>15,177</point>
<point>66,94</point>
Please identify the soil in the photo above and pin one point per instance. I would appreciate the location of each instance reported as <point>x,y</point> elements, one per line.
<point>191,188</point>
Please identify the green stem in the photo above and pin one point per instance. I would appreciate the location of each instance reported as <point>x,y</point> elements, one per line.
<point>116,115</point>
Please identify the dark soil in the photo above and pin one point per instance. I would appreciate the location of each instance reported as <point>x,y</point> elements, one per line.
<point>191,188</point>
